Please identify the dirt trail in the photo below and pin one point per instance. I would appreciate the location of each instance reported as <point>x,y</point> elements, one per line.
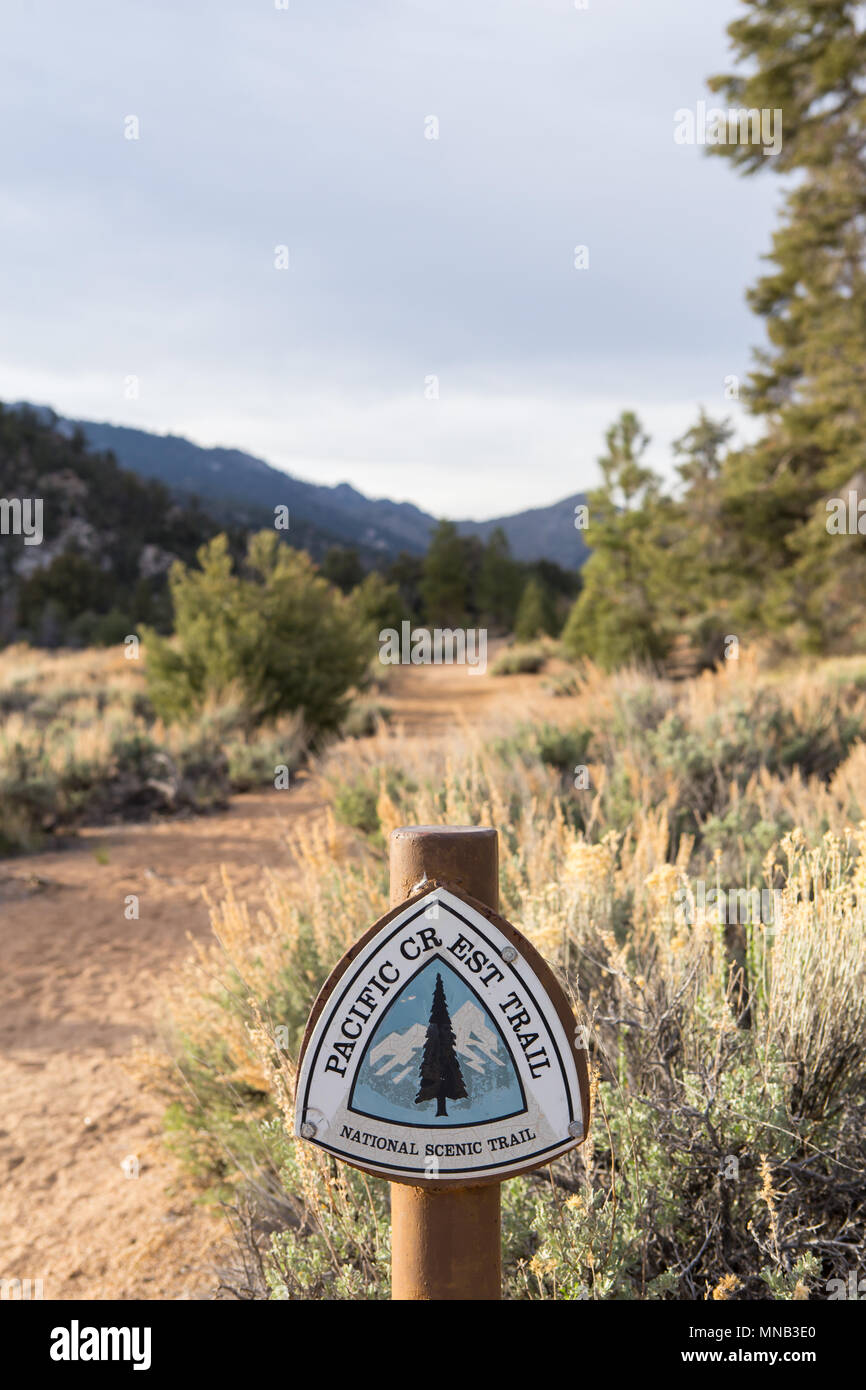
<point>79,983</point>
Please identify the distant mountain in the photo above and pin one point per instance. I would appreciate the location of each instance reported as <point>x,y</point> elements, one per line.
<point>543,533</point>
<point>238,487</point>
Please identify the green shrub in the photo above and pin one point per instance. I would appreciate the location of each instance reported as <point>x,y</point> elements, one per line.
<point>519,661</point>
<point>282,637</point>
<point>365,717</point>
<point>72,755</point>
<point>549,744</point>
<point>253,762</point>
<point>355,805</point>
<point>561,686</point>
<point>377,603</point>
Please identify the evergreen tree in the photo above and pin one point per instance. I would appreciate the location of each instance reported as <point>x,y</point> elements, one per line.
<point>445,584</point>
<point>536,615</point>
<point>441,1077</point>
<point>342,567</point>
<point>563,583</point>
<point>697,577</point>
<point>500,582</point>
<point>805,59</point>
<point>377,604</point>
<point>472,561</point>
<point>407,573</point>
<point>619,615</point>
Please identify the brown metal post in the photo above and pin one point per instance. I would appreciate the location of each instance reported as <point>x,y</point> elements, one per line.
<point>445,1244</point>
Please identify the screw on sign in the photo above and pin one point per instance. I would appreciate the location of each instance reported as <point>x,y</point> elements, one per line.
<point>442,1054</point>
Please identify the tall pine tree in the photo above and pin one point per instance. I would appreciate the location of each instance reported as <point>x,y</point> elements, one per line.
<point>620,615</point>
<point>807,59</point>
<point>536,613</point>
<point>500,582</point>
<point>441,1077</point>
<point>445,586</point>
<point>697,578</point>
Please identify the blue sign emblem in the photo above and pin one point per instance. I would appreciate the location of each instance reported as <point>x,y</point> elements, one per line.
<point>437,1057</point>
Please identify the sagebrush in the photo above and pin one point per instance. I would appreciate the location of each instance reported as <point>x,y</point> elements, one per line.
<point>727,1155</point>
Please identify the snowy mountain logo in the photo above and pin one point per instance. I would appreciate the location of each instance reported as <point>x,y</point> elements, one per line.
<point>473,1037</point>
<point>437,1057</point>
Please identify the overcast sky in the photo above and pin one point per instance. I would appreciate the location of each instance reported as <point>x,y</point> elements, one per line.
<point>409,258</point>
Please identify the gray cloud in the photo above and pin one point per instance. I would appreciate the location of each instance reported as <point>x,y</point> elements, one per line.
<point>408,257</point>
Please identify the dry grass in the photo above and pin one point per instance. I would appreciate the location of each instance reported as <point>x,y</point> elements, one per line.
<point>80,744</point>
<point>727,1158</point>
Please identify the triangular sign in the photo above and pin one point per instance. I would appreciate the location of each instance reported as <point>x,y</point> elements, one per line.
<point>442,1049</point>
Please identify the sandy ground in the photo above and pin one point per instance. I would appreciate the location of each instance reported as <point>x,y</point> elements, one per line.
<point>90,1203</point>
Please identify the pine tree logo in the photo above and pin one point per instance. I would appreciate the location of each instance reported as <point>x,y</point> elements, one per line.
<point>441,1077</point>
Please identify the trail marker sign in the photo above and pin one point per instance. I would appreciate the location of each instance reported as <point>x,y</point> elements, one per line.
<point>442,1050</point>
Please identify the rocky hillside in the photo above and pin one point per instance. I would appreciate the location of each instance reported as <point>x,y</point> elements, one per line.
<point>235,486</point>
<point>85,546</point>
